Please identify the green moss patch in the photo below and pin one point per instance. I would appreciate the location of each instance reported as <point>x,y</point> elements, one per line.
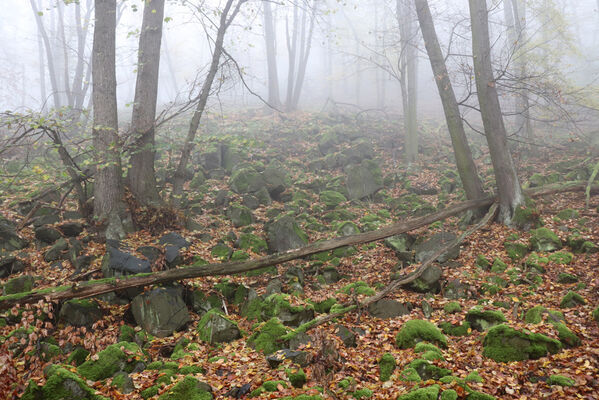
<point>386,366</point>
<point>503,343</point>
<point>418,330</point>
<point>120,356</point>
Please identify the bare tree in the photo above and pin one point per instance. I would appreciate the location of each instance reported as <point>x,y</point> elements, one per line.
<point>271,56</point>
<point>227,16</point>
<point>508,185</point>
<point>466,167</point>
<point>141,174</point>
<point>108,190</point>
<point>408,76</point>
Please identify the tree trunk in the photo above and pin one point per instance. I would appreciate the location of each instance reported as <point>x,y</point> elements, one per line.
<point>408,33</point>
<point>466,167</point>
<point>271,56</point>
<point>181,172</point>
<point>141,175</point>
<point>306,46</point>
<point>291,50</point>
<point>508,185</point>
<point>108,191</point>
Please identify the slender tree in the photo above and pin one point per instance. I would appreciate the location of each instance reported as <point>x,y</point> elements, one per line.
<point>141,175</point>
<point>108,192</point>
<point>409,76</point>
<point>466,167</point>
<point>508,185</point>
<point>271,56</point>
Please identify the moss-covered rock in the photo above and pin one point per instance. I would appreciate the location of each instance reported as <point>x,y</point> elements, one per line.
<point>386,366</point>
<point>543,239</point>
<point>481,320</point>
<point>117,357</point>
<point>498,266</point>
<point>409,374</point>
<point>331,198</point>
<point>426,393</point>
<point>479,396</point>
<point>19,285</point>
<point>278,305</point>
<point>568,213</point>
<point>216,328</point>
<point>595,314</point>
<point>483,262</point>
<point>427,370</point>
<point>268,337</point>
<point>474,377</point>
<point>77,356</point>
<point>526,218</point>
<point>363,393</point>
<point>566,336</point>
<point>246,180</point>
<point>572,299</point>
<point>250,241</point>
<point>188,389</point>
<point>297,377</point>
<point>516,250</point>
<point>449,394</point>
<point>61,384</point>
<point>450,329</point>
<point>561,257</point>
<point>359,288</point>
<point>417,330</point>
<point>284,234</point>
<point>452,307</point>
<point>560,380</point>
<point>503,343</point>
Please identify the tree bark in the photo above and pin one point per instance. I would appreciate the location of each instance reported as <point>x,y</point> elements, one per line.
<point>508,185</point>
<point>108,191</point>
<point>465,164</point>
<point>305,47</point>
<point>271,56</point>
<point>141,175</point>
<point>291,50</point>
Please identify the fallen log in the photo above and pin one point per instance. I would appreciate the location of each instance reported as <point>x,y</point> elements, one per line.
<point>101,286</point>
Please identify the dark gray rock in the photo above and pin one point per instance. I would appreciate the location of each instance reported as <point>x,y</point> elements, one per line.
<point>330,275</point>
<point>278,357</point>
<point>47,234</point>
<point>58,251</point>
<point>363,180</point>
<point>400,243</point>
<point>295,318</point>
<point>274,177</point>
<point>274,286</point>
<point>251,201</point>
<point>71,228</point>
<point>428,282</point>
<point>152,253</point>
<point>174,239</point>
<point>82,263</point>
<point>222,198</point>
<point>298,340</point>
<point>388,308</point>
<point>160,311</point>
<point>428,248</point>
<point>118,263</point>
<point>285,234</point>
<point>80,313</point>
<point>455,290</point>
<point>240,215</point>
<point>19,285</point>
<point>201,303</point>
<point>9,240</point>
<point>216,328</point>
<point>9,265</point>
<point>347,336</point>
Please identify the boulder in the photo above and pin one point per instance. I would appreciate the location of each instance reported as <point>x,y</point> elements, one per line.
<point>9,240</point>
<point>246,180</point>
<point>47,234</point>
<point>417,330</point>
<point>122,356</point>
<point>160,311</point>
<point>363,179</point>
<point>428,282</point>
<point>216,328</point>
<point>71,228</point>
<point>117,263</point>
<point>58,251</point>
<point>285,234</point>
<point>80,312</point>
<point>240,215</point>
<point>61,382</point>
<point>173,243</point>
<point>9,265</point>
<point>332,199</point>
<point>388,308</point>
<point>428,248</point>
<point>481,320</point>
<point>278,357</point>
<point>543,239</point>
<point>505,344</point>
<point>274,177</point>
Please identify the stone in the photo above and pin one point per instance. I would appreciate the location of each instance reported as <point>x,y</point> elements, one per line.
<point>246,180</point>
<point>428,282</point>
<point>19,285</point>
<point>481,320</point>
<point>240,215</point>
<point>285,234</point>
<point>330,275</point>
<point>505,344</point>
<point>9,240</point>
<point>250,201</point>
<point>544,240</point>
<point>161,311</point>
<point>268,337</point>
<point>278,357</point>
<point>417,330</point>
<point>348,228</point>
<point>428,248</point>
<point>202,303</point>
<point>47,234</point>
<point>57,251</point>
<point>80,313</point>
<point>363,179</point>
<point>118,263</point>
<point>332,199</point>
<point>122,356</point>
<point>71,228</point>
<point>274,286</point>
<point>216,328</point>
<point>400,243</point>
<point>10,265</point>
<point>347,336</point>
<point>387,308</point>
<point>189,388</point>
<point>151,253</point>
<point>274,177</point>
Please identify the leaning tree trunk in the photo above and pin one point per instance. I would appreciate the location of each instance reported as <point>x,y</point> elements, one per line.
<point>181,172</point>
<point>107,185</point>
<point>271,56</point>
<point>141,175</point>
<point>508,185</point>
<point>466,167</point>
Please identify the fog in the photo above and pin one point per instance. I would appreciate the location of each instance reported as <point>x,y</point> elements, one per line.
<point>353,60</point>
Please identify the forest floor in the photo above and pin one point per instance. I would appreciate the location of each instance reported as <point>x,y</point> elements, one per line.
<point>512,284</point>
